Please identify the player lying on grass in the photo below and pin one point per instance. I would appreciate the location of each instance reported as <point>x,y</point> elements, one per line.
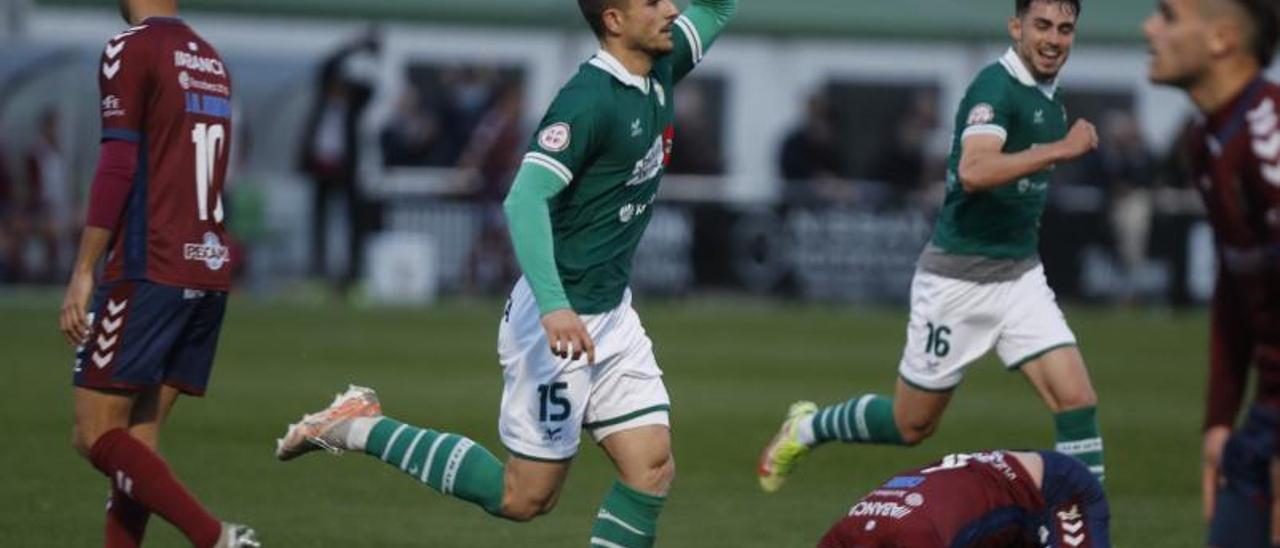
<point>998,499</point>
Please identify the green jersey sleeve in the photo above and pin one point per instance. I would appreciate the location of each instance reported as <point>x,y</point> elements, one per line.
<point>529,221</point>
<point>990,109</point>
<point>696,29</point>
<point>570,134</point>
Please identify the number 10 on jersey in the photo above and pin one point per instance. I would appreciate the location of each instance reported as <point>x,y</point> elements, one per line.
<point>209,140</point>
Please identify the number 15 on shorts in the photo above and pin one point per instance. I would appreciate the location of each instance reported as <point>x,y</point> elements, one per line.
<point>552,406</point>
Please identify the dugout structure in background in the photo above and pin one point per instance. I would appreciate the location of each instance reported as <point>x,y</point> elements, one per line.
<point>728,219</point>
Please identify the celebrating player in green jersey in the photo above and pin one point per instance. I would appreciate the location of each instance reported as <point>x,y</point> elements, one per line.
<point>574,354</point>
<point>979,283</point>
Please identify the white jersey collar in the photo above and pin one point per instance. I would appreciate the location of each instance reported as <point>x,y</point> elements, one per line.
<point>1016,68</point>
<point>605,61</point>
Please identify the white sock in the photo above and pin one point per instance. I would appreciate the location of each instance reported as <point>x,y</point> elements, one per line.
<point>804,431</point>
<point>358,432</point>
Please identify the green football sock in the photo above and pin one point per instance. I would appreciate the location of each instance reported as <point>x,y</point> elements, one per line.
<point>627,518</point>
<point>1078,435</point>
<point>448,463</point>
<point>864,419</point>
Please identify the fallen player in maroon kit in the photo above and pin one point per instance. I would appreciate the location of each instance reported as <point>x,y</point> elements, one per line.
<point>997,499</point>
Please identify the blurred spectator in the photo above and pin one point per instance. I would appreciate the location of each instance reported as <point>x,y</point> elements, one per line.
<point>697,148</point>
<point>330,151</point>
<point>487,166</point>
<point>468,93</point>
<point>49,213</point>
<point>810,159</point>
<point>907,162</point>
<point>1125,169</point>
<point>412,136</point>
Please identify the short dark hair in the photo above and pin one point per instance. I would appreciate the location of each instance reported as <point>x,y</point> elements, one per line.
<point>1264,18</point>
<point>593,12</point>
<point>1020,7</point>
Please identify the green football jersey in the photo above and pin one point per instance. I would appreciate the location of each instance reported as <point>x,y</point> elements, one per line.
<point>1002,223</point>
<point>608,135</point>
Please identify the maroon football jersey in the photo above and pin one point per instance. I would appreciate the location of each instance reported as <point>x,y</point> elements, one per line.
<point>1235,160</point>
<point>978,497</point>
<point>167,89</point>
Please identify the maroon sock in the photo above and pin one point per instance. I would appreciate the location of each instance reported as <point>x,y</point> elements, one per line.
<point>142,475</point>
<point>126,521</point>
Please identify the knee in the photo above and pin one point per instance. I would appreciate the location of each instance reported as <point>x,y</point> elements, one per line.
<point>655,477</point>
<point>1077,399</point>
<point>83,438</point>
<point>526,506</point>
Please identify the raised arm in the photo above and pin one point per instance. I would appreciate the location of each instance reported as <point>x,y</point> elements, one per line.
<point>697,29</point>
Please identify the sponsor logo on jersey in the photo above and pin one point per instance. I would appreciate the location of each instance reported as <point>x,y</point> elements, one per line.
<point>904,482</point>
<point>914,499</point>
<point>182,59</point>
<point>890,510</point>
<point>889,493</point>
<point>648,167</point>
<point>111,107</point>
<point>1038,118</point>
<point>208,105</point>
<point>1027,185</point>
<point>211,252</point>
<point>980,114</point>
<point>189,82</point>
<point>555,137</point>
<point>631,211</point>
<point>636,130</point>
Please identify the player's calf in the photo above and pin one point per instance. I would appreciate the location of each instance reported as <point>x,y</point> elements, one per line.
<point>531,488</point>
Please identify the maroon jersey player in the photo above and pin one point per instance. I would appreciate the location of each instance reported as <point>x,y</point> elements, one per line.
<point>1215,50</point>
<point>153,324</point>
<point>996,499</point>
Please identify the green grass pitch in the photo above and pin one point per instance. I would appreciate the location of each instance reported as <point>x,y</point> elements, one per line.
<point>732,368</point>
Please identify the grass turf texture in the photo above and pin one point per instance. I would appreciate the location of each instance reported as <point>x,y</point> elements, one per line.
<point>731,368</point>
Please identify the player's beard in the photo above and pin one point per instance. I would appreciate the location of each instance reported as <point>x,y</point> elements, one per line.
<point>659,46</point>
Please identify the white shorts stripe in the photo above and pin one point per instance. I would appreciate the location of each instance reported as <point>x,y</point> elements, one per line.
<point>431,455</point>
<point>861,414</point>
<point>404,462</point>
<point>597,541</point>
<point>605,515</point>
<point>455,461</point>
<point>386,451</point>
<point>557,168</point>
